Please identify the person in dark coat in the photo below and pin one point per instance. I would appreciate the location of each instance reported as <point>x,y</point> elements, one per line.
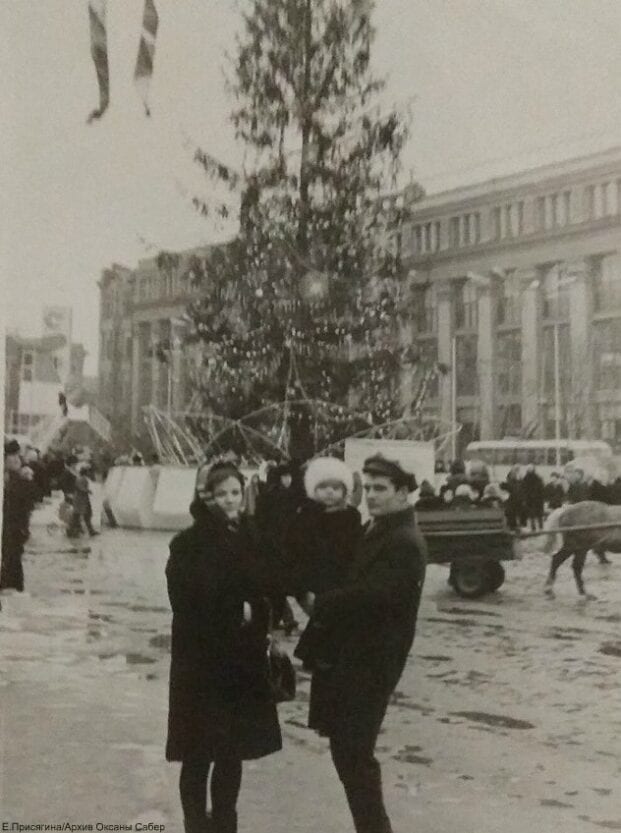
<point>457,475</point>
<point>513,504</point>
<point>275,509</point>
<point>15,514</point>
<point>222,709</point>
<point>532,499</point>
<point>578,489</point>
<point>365,630</point>
<point>322,537</point>
<point>427,498</point>
<point>553,492</point>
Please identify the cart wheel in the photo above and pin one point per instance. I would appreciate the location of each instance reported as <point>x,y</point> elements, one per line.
<point>495,574</point>
<point>470,580</point>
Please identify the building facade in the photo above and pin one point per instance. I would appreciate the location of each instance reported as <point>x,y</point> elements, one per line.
<point>517,288</point>
<point>141,362</point>
<point>34,378</point>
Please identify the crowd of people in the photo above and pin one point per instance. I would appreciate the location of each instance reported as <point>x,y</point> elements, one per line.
<point>29,479</point>
<point>525,497</point>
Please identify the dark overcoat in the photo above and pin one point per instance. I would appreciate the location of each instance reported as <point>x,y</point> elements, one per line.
<point>365,629</point>
<point>320,548</point>
<point>220,696</point>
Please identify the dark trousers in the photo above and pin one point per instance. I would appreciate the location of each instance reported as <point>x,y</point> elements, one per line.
<point>11,569</point>
<point>225,785</point>
<point>361,777</point>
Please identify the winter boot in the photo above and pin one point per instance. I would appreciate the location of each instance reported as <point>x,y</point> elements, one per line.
<point>224,822</point>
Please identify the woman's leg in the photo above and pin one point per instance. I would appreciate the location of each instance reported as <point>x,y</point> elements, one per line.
<point>193,791</point>
<point>225,786</point>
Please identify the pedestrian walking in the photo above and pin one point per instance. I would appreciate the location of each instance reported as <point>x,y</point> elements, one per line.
<point>222,708</point>
<point>364,632</point>
<point>532,498</point>
<point>82,509</point>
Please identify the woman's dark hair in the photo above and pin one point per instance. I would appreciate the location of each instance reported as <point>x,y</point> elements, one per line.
<point>220,472</point>
<point>217,474</point>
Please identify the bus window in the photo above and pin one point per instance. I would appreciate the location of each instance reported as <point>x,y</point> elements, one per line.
<point>566,455</point>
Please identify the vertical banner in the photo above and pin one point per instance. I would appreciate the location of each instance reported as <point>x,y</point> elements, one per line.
<point>99,52</point>
<point>58,321</point>
<point>146,52</point>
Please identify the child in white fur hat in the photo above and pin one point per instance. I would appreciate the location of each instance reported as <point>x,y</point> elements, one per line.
<point>322,538</point>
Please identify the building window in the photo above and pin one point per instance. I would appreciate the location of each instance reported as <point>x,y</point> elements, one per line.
<point>509,363</point>
<point>540,207</point>
<point>497,222</point>
<point>555,295</point>
<point>466,361</point>
<point>426,310</point>
<point>606,280</point>
<point>454,232</point>
<point>466,306</point>
<point>553,211</point>
<point>607,354</point>
<point>428,352</point>
<point>509,301</point>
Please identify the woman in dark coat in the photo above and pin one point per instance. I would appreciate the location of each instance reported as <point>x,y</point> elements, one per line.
<point>532,495</point>
<point>222,710</point>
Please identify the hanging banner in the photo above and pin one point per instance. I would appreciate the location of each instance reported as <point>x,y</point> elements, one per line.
<point>99,52</point>
<point>146,52</point>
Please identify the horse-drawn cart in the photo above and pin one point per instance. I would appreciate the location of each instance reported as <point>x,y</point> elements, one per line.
<point>473,541</point>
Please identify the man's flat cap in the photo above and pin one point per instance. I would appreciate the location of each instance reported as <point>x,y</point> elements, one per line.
<point>379,466</point>
<point>11,447</point>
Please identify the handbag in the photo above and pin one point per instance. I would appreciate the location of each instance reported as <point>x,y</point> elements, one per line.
<point>281,673</point>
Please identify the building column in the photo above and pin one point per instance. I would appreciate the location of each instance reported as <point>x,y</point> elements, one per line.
<point>155,365</point>
<point>531,339</point>
<point>485,362</point>
<point>580,419</point>
<point>136,367</point>
<point>445,349</point>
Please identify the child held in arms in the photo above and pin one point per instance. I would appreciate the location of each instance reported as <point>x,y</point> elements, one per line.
<point>325,531</point>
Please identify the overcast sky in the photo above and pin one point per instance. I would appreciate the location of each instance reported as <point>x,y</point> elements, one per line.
<point>497,85</point>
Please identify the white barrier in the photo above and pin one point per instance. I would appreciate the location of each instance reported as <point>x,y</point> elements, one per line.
<point>174,493</point>
<point>109,493</point>
<point>132,502</point>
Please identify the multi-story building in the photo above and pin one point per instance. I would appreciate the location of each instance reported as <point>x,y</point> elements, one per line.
<point>517,289</point>
<point>517,284</point>
<point>140,334</point>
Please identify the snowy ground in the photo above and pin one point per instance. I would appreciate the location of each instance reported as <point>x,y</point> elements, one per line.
<point>507,718</point>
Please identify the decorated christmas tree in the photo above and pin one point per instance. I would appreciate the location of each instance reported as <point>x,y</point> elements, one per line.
<point>309,301</point>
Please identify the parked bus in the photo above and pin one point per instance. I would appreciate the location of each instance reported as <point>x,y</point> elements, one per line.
<point>502,455</point>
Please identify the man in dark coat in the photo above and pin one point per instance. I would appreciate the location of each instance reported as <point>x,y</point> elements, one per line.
<point>368,628</point>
